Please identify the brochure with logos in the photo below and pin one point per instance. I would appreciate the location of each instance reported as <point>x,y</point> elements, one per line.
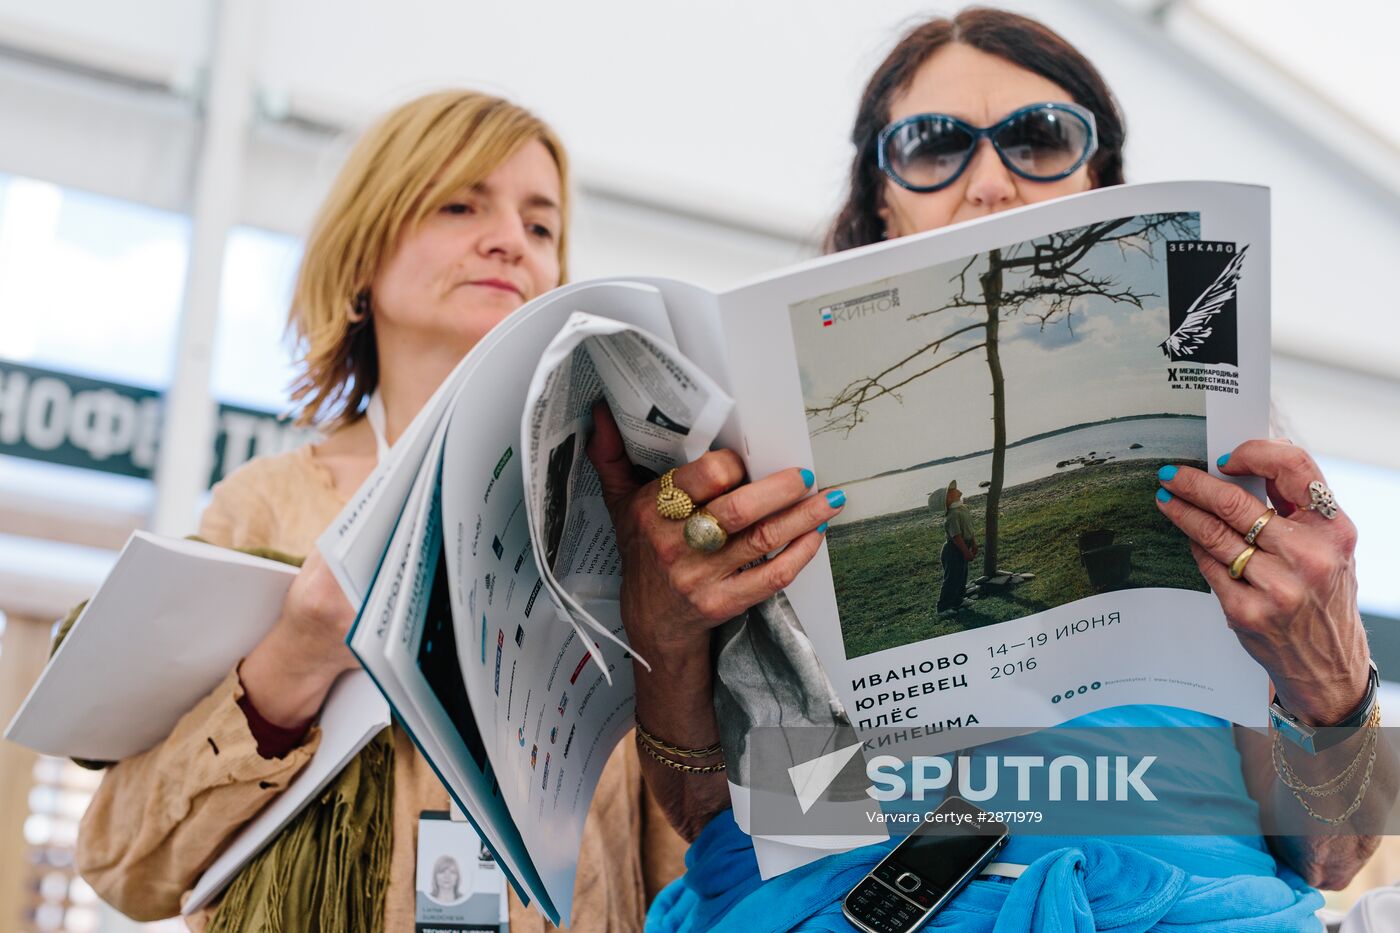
<point>994,399</point>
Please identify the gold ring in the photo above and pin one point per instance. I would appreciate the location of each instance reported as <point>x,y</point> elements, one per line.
<point>704,533</point>
<point>672,502</point>
<point>1258,526</point>
<point>1237,565</point>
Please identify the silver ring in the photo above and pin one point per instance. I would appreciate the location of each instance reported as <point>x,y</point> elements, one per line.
<point>1323,502</point>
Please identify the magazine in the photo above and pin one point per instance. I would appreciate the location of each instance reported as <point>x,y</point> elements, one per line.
<point>1046,361</point>
<point>1020,377</point>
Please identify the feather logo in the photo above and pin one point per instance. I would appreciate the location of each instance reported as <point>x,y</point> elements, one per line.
<point>1195,328</point>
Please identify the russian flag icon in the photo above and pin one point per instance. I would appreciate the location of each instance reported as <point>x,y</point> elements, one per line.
<point>826,317</point>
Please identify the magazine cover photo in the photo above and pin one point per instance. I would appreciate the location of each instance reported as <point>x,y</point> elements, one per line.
<point>998,423</point>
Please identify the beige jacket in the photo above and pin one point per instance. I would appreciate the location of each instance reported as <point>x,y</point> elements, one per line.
<point>160,818</point>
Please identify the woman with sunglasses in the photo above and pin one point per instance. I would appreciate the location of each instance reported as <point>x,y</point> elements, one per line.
<point>968,116</point>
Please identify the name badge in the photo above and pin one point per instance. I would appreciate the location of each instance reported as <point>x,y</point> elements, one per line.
<point>459,885</point>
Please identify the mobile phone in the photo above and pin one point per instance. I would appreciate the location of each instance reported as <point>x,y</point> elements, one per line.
<point>926,870</point>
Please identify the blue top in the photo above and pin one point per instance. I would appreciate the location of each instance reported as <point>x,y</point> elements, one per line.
<point>1073,883</point>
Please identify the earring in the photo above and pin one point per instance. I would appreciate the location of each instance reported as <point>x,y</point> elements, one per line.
<point>360,308</point>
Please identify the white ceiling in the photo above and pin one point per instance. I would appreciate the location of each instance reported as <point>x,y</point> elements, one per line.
<point>737,106</point>
<point>1344,52</point>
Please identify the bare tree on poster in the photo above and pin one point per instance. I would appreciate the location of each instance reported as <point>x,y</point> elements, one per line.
<point>1043,280</point>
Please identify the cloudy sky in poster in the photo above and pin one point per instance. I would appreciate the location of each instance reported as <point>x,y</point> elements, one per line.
<point>1103,362</point>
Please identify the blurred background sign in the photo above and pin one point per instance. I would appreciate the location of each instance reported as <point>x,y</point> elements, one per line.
<point>115,428</point>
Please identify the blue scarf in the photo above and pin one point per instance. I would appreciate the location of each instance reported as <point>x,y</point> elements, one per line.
<point>1091,885</point>
<point>1188,884</point>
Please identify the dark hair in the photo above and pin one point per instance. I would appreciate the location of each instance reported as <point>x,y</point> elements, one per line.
<point>1018,39</point>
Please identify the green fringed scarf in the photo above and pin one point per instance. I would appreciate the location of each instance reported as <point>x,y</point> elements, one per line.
<point>328,869</point>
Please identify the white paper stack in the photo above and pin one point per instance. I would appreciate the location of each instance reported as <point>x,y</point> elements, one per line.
<point>169,622</point>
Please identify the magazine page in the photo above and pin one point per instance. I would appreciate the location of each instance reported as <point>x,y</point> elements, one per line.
<point>354,543</point>
<point>1015,381</point>
<point>694,314</point>
<point>401,601</point>
<point>668,412</point>
<point>546,712</point>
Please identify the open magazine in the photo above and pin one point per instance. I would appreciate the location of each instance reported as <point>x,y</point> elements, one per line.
<point>1044,361</point>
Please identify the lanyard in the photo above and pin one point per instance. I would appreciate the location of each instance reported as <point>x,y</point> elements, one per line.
<point>375,415</point>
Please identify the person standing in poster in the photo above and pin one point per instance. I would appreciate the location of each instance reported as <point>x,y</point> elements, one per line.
<point>959,546</point>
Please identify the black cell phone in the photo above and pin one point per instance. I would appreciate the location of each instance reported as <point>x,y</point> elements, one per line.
<point>926,870</point>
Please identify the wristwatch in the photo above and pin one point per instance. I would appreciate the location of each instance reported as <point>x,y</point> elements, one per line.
<point>1314,739</point>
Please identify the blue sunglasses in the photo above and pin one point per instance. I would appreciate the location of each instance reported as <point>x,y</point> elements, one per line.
<point>1041,142</point>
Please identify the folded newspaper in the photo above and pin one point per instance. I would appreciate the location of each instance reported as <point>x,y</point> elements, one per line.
<point>1044,362</point>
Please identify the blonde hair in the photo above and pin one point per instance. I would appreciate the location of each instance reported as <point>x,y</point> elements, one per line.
<point>401,170</point>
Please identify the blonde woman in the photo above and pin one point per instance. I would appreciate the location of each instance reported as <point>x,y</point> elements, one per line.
<point>449,214</point>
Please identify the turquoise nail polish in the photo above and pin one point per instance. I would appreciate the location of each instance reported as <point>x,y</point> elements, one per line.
<point>1163,495</point>
<point>1224,459</point>
<point>821,529</point>
<point>1167,473</point>
<point>836,498</point>
<point>808,478</point>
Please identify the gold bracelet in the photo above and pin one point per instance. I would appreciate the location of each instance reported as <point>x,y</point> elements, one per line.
<point>1295,784</point>
<point>1355,804</point>
<point>1325,789</point>
<point>1336,783</point>
<point>660,746</point>
<point>688,769</point>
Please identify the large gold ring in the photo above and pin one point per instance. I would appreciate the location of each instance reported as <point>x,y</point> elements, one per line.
<point>703,532</point>
<point>1237,565</point>
<point>672,502</point>
<point>1258,526</point>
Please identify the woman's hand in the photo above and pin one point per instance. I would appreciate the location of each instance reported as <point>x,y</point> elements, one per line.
<point>1294,608</point>
<point>672,595</point>
<point>287,675</point>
